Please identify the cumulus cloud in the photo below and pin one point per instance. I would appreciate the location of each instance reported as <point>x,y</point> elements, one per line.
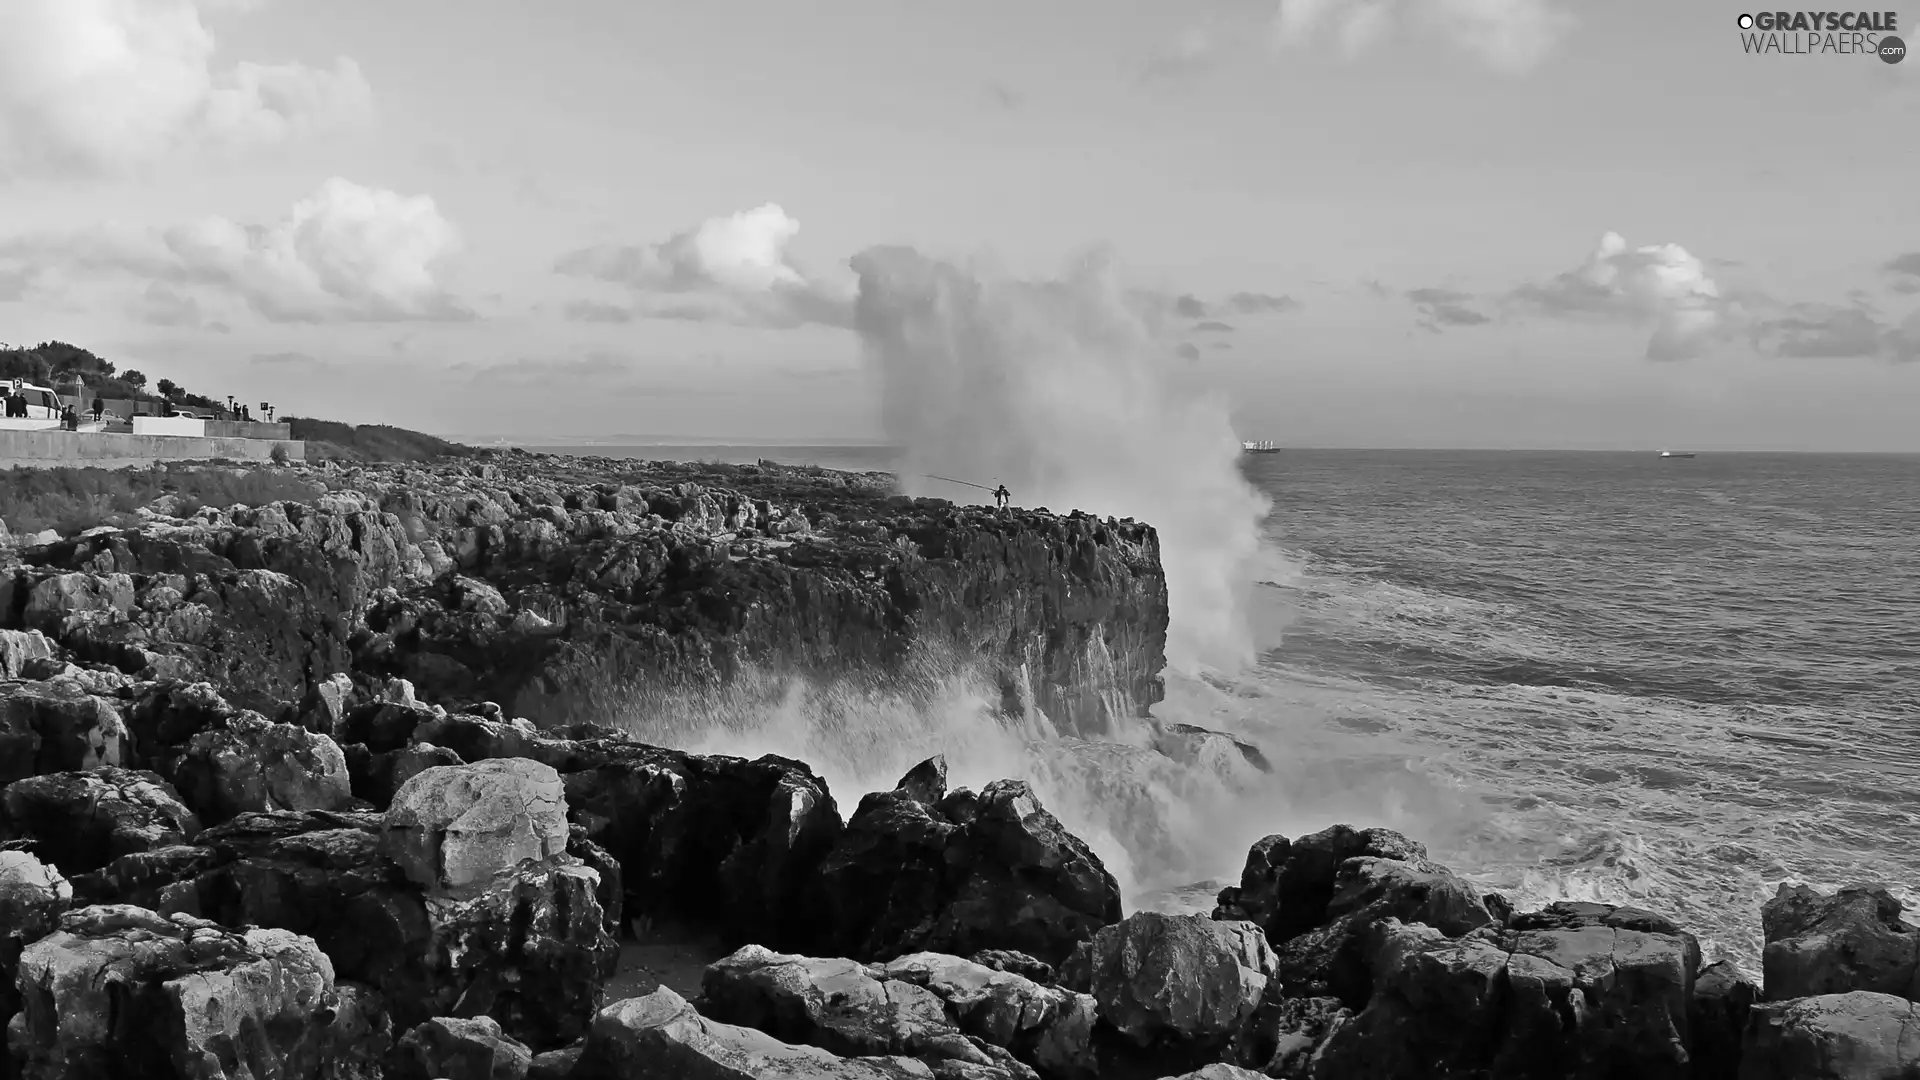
<point>1506,35</point>
<point>91,87</point>
<point>733,268</point>
<point>1188,351</point>
<point>1660,284</point>
<point>346,254</point>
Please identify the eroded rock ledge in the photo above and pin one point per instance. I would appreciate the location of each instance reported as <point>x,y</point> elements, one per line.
<point>552,585</point>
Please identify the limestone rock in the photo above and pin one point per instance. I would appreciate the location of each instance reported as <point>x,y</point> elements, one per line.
<point>250,763</point>
<point>121,991</point>
<point>1287,885</point>
<point>1176,981</point>
<point>661,1035</point>
<point>1717,1020</point>
<point>33,896</point>
<point>84,820</point>
<point>1851,940</point>
<point>991,870</point>
<point>459,827</point>
<point>1047,1027</point>
<point>57,727</point>
<point>1859,1035</point>
<point>449,1048</point>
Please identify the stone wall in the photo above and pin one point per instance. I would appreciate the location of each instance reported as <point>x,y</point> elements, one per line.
<point>108,450</point>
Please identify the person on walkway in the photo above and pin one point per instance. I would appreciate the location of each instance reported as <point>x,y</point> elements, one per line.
<point>1001,495</point>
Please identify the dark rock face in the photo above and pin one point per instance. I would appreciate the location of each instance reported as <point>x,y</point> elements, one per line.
<point>57,727</point>
<point>554,586</point>
<point>120,991</point>
<point>1850,1036</point>
<point>969,872</point>
<point>1851,940</point>
<point>84,820</point>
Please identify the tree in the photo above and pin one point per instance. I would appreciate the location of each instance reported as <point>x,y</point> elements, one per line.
<point>135,379</point>
<point>168,388</point>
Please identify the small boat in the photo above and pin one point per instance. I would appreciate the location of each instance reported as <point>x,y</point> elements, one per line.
<point>1676,453</point>
<point>1258,446</point>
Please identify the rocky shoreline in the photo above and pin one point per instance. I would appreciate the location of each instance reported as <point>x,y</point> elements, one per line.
<point>331,790</point>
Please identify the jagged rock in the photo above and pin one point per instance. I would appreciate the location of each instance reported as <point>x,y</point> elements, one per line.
<point>18,648</point>
<point>1578,991</point>
<point>450,1048</point>
<point>661,1035</point>
<point>121,991</point>
<point>1047,1027</point>
<point>1332,959</point>
<point>1015,963</point>
<point>925,783</point>
<point>1183,984</point>
<point>375,777</point>
<point>1220,1071</point>
<point>1853,939</point>
<point>1286,886</point>
<point>837,1005</point>
<point>1214,751</point>
<point>84,820</point>
<point>1717,1019</point>
<point>456,828</point>
<point>532,949</point>
<point>991,870</point>
<point>556,1064</point>
<point>1860,1035</point>
<point>250,763</point>
<point>57,727</point>
<point>33,896</point>
<point>1285,1034</point>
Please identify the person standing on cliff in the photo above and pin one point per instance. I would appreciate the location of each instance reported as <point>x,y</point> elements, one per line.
<point>1001,495</point>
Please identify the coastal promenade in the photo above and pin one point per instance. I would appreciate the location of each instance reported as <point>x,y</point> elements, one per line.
<point>112,450</point>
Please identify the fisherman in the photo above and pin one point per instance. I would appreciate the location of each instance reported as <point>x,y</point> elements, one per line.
<point>1001,495</point>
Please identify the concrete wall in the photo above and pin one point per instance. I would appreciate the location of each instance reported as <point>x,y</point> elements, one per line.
<point>169,425</point>
<point>106,450</point>
<point>248,429</point>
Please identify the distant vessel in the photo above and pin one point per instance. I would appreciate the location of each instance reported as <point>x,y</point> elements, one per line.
<point>1676,453</point>
<point>1258,446</point>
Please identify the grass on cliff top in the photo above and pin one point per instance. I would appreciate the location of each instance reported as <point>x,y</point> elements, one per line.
<point>75,500</point>
<point>328,440</point>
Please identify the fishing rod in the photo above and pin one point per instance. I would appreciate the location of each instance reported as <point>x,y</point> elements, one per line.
<point>951,480</point>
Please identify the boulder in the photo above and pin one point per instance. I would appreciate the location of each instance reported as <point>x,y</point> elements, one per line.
<point>1578,991</point>
<point>660,1034</point>
<point>1176,981</point>
<point>57,726</point>
<point>450,1048</point>
<point>457,828</point>
<point>836,1005</point>
<point>1717,1020</point>
<point>1851,940</point>
<point>1332,959</point>
<point>1859,1035</point>
<point>991,870</point>
<point>250,763</point>
<point>121,991</point>
<point>33,896</point>
<point>84,820</point>
<point>1047,1027</point>
<point>532,949</point>
<point>1286,886</point>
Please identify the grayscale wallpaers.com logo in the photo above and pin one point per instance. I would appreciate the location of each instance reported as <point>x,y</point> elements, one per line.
<point>1842,33</point>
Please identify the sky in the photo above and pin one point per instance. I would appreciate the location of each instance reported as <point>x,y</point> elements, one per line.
<point>1368,223</point>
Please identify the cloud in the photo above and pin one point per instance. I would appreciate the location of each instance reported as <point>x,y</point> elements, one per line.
<point>164,305</point>
<point>14,284</point>
<point>1905,272</point>
<point>1240,303</point>
<point>1439,308</point>
<point>346,254</point>
<point>1005,97</point>
<point>100,87</point>
<point>1193,52</point>
<point>287,360</point>
<point>593,311</point>
<point>1660,284</point>
<point>1506,35</point>
<point>1214,326</point>
<point>1828,332</point>
<point>1188,351</point>
<point>728,269</point>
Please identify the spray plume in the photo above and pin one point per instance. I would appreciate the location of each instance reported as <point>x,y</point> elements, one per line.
<point>1057,390</point>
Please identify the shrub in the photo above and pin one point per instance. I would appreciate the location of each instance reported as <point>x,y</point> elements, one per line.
<point>74,500</point>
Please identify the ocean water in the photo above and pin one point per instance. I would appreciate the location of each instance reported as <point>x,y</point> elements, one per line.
<point>1674,683</point>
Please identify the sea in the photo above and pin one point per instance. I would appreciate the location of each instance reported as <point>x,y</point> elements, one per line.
<point>1676,683</point>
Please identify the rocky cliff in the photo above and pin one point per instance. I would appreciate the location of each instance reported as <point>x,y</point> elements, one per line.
<point>556,586</point>
<point>234,846</point>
